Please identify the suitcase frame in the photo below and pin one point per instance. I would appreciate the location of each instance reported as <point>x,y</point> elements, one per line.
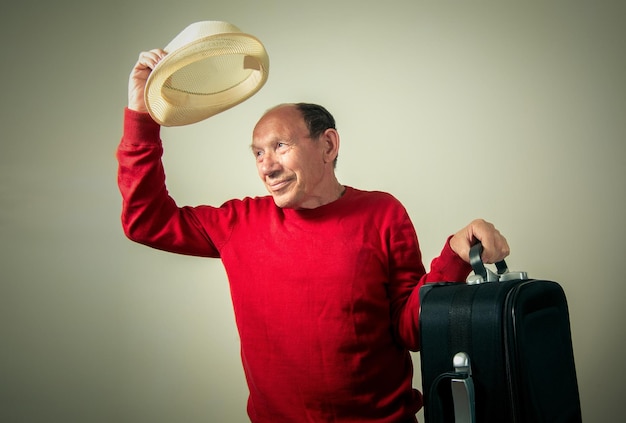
<point>497,349</point>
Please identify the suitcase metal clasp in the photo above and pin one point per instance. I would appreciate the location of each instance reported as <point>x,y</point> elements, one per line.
<point>463,390</point>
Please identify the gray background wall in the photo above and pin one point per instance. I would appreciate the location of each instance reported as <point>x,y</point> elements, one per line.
<point>510,111</point>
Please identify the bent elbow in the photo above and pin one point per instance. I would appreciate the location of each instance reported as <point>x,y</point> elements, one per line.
<point>133,235</point>
<point>134,232</point>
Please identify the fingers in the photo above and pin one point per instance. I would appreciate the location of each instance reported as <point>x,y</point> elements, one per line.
<point>495,246</point>
<point>149,59</point>
<point>146,62</point>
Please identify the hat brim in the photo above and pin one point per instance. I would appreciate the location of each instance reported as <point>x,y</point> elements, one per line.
<point>206,77</point>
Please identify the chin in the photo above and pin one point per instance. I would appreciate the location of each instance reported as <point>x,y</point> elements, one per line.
<point>281,202</point>
<point>285,201</point>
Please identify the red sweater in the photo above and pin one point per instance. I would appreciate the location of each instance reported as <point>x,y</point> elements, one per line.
<point>326,300</point>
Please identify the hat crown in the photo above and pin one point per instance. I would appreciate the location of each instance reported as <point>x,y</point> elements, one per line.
<point>199,30</point>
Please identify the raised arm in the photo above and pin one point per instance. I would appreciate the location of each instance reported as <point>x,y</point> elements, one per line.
<point>149,215</point>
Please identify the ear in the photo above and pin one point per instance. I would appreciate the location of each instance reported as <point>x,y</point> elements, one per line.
<point>330,140</point>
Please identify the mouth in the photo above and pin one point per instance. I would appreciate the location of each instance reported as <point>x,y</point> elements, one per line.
<point>277,186</point>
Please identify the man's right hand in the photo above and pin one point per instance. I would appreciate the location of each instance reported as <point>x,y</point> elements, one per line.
<point>138,77</point>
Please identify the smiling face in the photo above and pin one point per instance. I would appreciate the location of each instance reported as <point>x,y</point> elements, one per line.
<point>297,170</point>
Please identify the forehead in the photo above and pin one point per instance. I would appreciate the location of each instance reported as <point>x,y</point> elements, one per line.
<point>282,122</point>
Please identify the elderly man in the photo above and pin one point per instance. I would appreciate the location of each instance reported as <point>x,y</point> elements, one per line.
<point>324,277</point>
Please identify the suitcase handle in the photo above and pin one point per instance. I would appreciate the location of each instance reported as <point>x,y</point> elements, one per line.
<point>461,389</point>
<point>482,274</point>
<point>479,267</point>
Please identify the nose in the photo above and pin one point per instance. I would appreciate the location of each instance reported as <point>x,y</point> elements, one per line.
<point>267,164</point>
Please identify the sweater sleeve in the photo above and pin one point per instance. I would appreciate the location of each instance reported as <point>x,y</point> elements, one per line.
<point>149,215</point>
<point>448,267</point>
<point>404,287</point>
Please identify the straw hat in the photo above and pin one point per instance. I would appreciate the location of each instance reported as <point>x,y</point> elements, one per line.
<point>211,66</point>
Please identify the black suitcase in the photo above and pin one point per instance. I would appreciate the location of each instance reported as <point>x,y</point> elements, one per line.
<point>497,349</point>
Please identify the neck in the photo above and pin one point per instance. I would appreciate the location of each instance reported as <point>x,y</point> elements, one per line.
<point>335,192</point>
